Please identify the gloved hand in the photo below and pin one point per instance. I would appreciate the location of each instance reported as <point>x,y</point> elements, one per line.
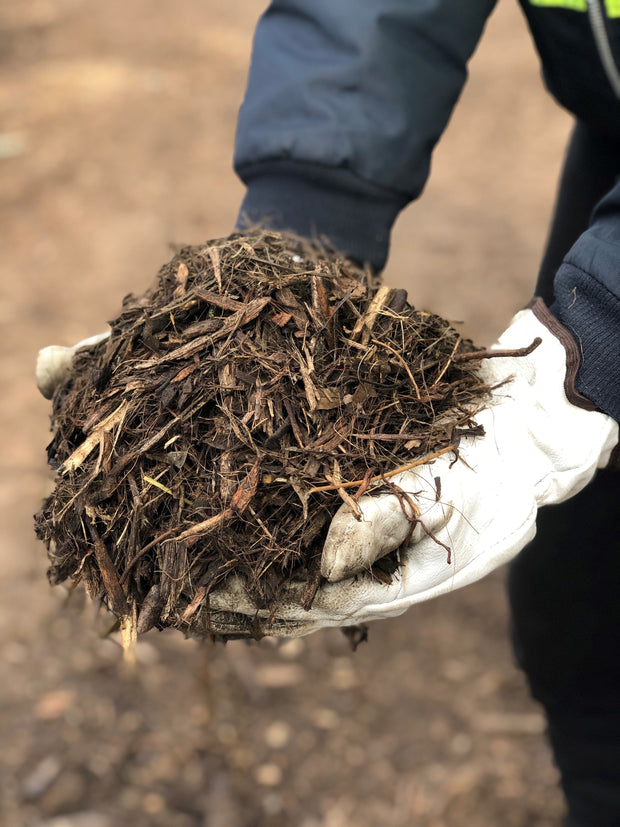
<point>543,443</point>
<point>54,363</point>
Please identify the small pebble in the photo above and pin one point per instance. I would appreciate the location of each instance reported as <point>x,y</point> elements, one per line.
<point>268,775</point>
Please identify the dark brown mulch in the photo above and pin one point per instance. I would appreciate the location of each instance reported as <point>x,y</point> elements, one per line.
<point>258,385</point>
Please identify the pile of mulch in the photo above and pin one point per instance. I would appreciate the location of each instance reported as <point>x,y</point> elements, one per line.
<point>258,385</point>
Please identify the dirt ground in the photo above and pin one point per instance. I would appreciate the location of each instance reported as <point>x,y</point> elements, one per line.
<point>116,130</point>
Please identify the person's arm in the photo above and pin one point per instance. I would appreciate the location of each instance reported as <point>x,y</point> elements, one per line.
<point>544,437</point>
<point>587,303</point>
<point>344,105</point>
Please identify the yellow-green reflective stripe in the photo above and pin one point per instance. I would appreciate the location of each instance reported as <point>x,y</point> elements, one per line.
<point>613,8</point>
<point>573,5</point>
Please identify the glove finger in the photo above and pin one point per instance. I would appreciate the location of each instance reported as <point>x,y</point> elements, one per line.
<point>231,625</point>
<point>352,545</point>
<point>233,614</point>
<point>54,363</point>
<point>232,598</point>
<point>335,604</point>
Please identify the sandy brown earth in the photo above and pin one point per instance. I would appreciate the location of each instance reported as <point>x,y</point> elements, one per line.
<point>116,128</point>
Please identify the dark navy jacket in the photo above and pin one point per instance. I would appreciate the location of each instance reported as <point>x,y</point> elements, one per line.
<point>346,100</point>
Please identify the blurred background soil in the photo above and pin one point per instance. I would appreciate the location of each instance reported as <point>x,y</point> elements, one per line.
<point>116,132</point>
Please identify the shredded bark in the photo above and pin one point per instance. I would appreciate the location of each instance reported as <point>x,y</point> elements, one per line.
<point>259,383</point>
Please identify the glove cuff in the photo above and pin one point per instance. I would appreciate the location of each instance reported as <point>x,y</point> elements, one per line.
<point>573,363</point>
<point>573,357</point>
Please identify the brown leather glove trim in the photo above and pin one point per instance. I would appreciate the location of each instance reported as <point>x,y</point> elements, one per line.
<point>573,356</point>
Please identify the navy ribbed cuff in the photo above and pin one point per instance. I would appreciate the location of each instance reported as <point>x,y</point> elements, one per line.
<point>355,216</point>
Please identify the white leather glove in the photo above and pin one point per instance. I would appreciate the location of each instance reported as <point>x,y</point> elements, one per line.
<point>539,448</point>
<point>54,363</point>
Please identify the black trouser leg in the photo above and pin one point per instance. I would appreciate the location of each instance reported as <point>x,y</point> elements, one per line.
<point>564,587</point>
<point>564,591</point>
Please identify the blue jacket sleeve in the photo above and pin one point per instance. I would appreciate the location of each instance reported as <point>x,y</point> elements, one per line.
<point>587,302</point>
<point>344,105</point>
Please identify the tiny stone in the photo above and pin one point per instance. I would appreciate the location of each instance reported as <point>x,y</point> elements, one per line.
<point>461,744</point>
<point>277,734</point>
<point>268,775</point>
<point>54,704</point>
<point>292,648</point>
<point>42,777</point>
<point>153,803</point>
<point>279,676</point>
<point>325,719</point>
